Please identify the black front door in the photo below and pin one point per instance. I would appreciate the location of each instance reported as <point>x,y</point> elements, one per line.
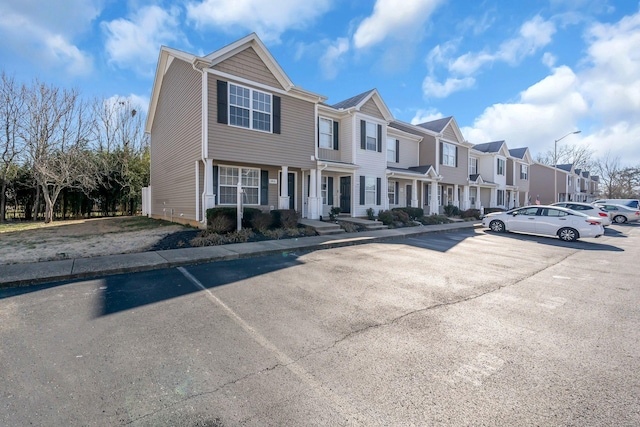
<point>345,194</point>
<point>409,195</point>
<point>291,185</point>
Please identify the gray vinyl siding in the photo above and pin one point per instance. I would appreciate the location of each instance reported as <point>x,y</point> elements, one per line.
<point>408,153</point>
<point>176,142</point>
<point>510,167</point>
<point>370,108</point>
<point>541,183</point>
<point>449,134</point>
<point>457,175</point>
<point>247,64</point>
<point>428,151</point>
<point>293,147</point>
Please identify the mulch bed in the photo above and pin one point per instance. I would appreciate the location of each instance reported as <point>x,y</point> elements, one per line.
<point>177,240</point>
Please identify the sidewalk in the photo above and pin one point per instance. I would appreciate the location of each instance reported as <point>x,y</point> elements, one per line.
<point>49,271</point>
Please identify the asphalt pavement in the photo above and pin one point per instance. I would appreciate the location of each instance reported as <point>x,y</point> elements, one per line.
<point>24,274</point>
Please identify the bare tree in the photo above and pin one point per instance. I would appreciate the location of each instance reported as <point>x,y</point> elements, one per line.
<point>11,109</point>
<point>56,133</point>
<point>608,169</point>
<point>579,155</point>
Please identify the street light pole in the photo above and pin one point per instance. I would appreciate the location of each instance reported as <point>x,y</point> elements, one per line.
<point>555,164</point>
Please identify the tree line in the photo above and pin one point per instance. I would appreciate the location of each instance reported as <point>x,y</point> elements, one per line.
<point>64,156</point>
<point>616,181</point>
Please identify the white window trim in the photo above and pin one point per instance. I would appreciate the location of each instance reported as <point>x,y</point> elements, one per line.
<point>473,165</point>
<point>391,192</point>
<point>251,109</point>
<point>370,191</point>
<point>448,158</point>
<point>324,190</point>
<point>391,148</point>
<point>240,169</point>
<point>504,165</point>
<point>330,147</point>
<point>524,170</point>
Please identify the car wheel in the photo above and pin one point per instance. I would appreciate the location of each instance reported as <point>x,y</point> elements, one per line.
<point>497,226</point>
<point>619,219</point>
<point>568,234</point>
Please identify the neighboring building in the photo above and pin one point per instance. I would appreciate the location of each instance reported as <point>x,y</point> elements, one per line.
<point>229,116</point>
<point>518,174</point>
<point>492,167</point>
<point>541,184</point>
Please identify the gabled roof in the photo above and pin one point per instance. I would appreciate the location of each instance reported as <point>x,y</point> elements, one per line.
<point>356,102</point>
<point>415,171</point>
<point>489,147</point>
<point>436,125</point>
<point>566,167</point>
<point>518,152</point>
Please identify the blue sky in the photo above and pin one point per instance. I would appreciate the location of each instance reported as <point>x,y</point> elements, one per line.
<point>527,72</point>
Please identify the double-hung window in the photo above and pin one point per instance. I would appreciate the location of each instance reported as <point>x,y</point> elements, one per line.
<point>228,182</point>
<point>500,197</point>
<point>372,136</point>
<point>370,191</point>
<point>326,133</point>
<point>324,189</point>
<point>448,154</point>
<point>391,150</point>
<point>391,192</point>
<point>473,166</point>
<point>524,172</point>
<point>249,108</point>
<point>500,167</point>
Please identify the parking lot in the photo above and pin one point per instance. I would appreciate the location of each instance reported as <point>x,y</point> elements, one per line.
<point>459,328</point>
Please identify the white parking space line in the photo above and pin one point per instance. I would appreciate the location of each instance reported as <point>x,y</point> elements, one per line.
<point>340,405</point>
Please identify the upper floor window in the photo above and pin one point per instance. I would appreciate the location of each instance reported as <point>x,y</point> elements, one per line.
<point>524,172</point>
<point>372,136</point>
<point>249,108</point>
<point>326,133</point>
<point>473,166</point>
<point>392,153</point>
<point>500,167</point>
<point>449,154</point>
<point>569,181</point>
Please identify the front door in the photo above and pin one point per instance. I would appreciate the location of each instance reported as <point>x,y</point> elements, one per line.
<point>291,185</point>
<point>409,195</point>
<point>345,194</point>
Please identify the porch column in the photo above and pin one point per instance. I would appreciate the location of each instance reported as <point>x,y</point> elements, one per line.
<point>494,198</point>
<point>478,201</point>
<point>209,191</point>
<point>456,199</point>
<point>414,194</point>
<point>433,203</point>
<point>312,204</point>
<point>283,200</point>
<point>465,197</point>
<point>526,198</point>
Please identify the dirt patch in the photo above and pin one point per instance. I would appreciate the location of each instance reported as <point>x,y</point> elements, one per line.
<point>88,238</point>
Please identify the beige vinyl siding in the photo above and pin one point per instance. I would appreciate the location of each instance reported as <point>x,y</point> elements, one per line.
<point>408,153</point>
<point>449,134</point>
<point>370,108</point>
<point>510,167</point>
<point>248,65</point>
<point>346,141</point>
<point>541,183</point>
<point>428,151</point>
<point>457,175</point>
<point>293,147</point>
<point>176,143</point>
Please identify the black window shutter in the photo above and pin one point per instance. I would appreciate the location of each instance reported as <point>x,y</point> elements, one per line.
<point>276,114</point>
<point>456,156</point>
<point>441,148</point>
<point>363,134</point>
<point>318,132</point>
<point>330,190</point>
<point>215,184</point>
<point>397,151</point>
<point>378,190</point>
<point>264,188</point>
<point>336,129</point>
<point>396,198</point>
<point>379,140</point>
<point>222,102</point>
<point>362,184</point>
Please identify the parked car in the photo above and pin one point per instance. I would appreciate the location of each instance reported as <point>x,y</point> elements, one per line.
<point>587,209</point>
<point>565,223</point>
<point>621,214</point>
<point>632,203</point>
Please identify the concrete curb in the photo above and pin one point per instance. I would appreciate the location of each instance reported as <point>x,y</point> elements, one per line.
<point>15,275</point>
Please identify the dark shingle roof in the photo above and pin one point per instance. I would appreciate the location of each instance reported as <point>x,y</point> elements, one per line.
<point>474,177</point>
<point>518,152</point>
<point>436,125</point>
<point>567,167</point>
<point>406,127</point>
<point>422,168</point>
<point>353,101</point>
<point>489,147</point>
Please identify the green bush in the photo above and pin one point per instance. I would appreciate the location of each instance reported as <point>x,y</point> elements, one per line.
<point>334,212</point>
<point>284,218</point>
<point>451,210</point>
<point>471,213</point>
<point>414,213</point>
<point>261,221</point>
<point>349,227</point>
<point>221,224</point>
<point>434,219</point>
<point>231,213</point>
<point>371,214</point>
<point>395,218</point>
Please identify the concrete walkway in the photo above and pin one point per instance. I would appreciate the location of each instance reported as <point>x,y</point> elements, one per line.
<point>48,271</point>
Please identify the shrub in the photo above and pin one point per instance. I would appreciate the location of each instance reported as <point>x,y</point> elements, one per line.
<point>292,232</point>
<point>414,213</point>
<point>261,221</point>
<point>276,234</point>
<point>334,212</point>
<point>471,213</point>
<point>307,231</point>
<point>349,227</point>
<point>284,218</point>
<point>434,219</point>
<point>231,214</point>
<point>208,239</point>
<point>240,236</point>
<point>451,210</point>
<point>395,218</point>
<point>370,214</point>
<point>221,224</point>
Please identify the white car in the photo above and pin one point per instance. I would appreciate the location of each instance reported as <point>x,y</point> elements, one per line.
<point>621,214</point>
<point>587,209</point>
<point>568,225</point>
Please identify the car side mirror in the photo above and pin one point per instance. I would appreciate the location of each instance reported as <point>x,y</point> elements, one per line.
<point>515,213</point>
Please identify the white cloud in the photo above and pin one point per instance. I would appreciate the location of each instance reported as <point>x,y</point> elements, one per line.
<point>41,32</point>
<point>422,116</point>
<point>432,88</point>
<point>140,103</point>
<point>330,61</point>
<point>134,43</point>
<point>391,19</point>
<point>269,19</point>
